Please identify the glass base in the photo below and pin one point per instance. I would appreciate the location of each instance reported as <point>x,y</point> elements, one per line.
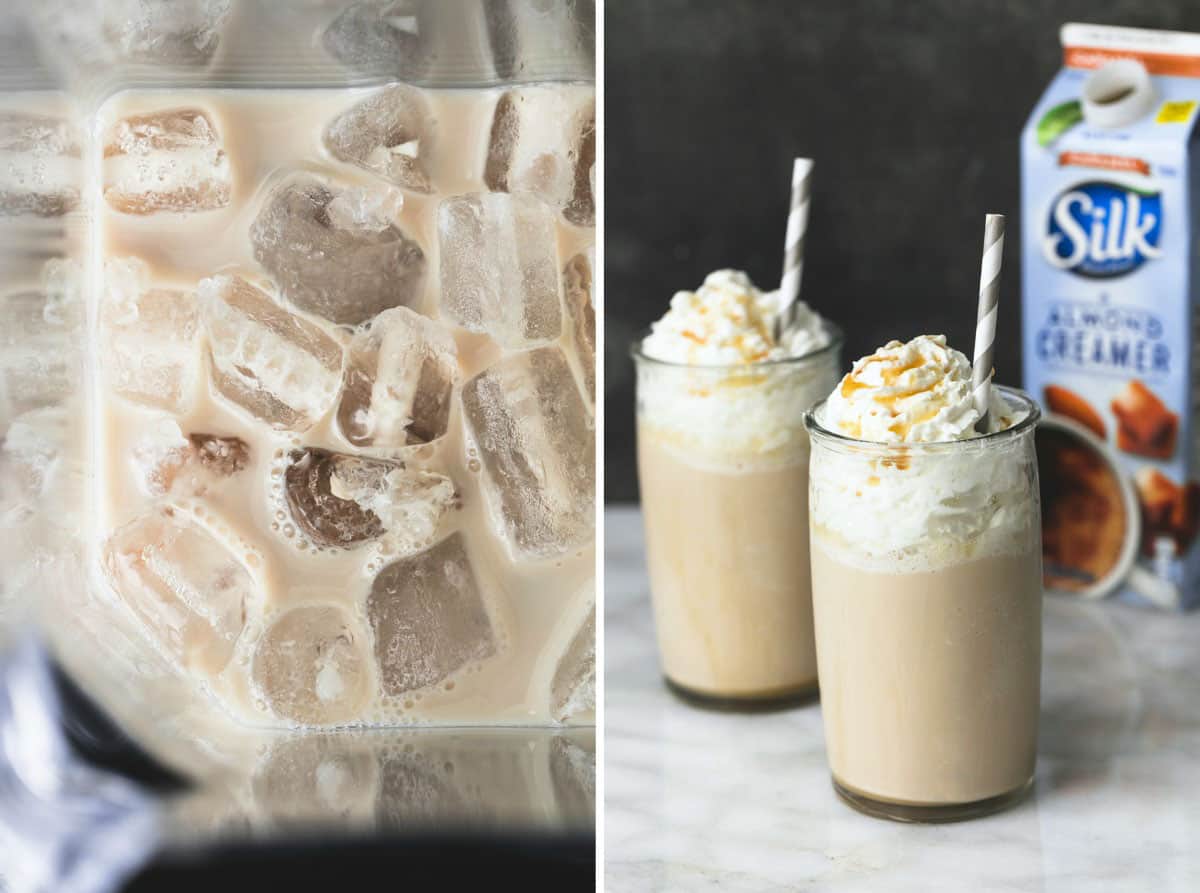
<point>930,813</point>
<point>755,702</point>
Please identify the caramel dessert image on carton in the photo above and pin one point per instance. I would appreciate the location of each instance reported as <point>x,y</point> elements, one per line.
<point>1109,199</point>
<point>1084,518</point>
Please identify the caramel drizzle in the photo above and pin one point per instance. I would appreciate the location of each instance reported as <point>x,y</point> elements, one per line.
<point>739,341</point>
<point>889,375</point>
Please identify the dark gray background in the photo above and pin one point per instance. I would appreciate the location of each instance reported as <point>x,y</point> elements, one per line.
<point>913,111</point>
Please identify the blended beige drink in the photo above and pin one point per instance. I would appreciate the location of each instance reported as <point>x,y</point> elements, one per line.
<point>927,569</point>
<point>723,466</point>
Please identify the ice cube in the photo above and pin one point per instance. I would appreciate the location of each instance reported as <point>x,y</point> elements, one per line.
<point>380,37</point>
<point>327,518</point>
<point>166,161</point>
<point>40,165</point>
<point>573,771</point>
<point>31,454</point>
<point>341,500</point>
<point>400,376</point>
<point>537,444</point>
<point>536,40</point>
<point>151,345</point>
<point>158,456</point>
<point>581,317</point>
<point>220,456</point>
<point>390,134</point>
<point>311,666</point>
<point>336,251</point>
<point>188,587</point>
<point>282,369</point>
<point>429,617</point>
<point>418,788</point>
<point>573,689</point>
<point>172,31</point>
<point>41,346</point>
<point>580,208</point>
<point>499,267</point>
<point>164,460</point>
<point>461,777</point>
<point>318,777</point>
<point>543,140</point>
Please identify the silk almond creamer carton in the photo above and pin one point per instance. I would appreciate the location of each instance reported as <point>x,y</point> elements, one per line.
<point>1110,180</point>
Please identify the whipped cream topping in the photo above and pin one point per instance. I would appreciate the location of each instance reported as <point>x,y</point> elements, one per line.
<point>723,404</point>
<point>897,508</point>
<point>914,392</point>
<point>727,321</point>
<point>918,512</point>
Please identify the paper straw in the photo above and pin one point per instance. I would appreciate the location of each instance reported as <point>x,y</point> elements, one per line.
<point>985,326</point>
<point>793,243</point>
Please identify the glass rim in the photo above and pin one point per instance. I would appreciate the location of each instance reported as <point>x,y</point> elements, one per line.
<point>1033,413</point>
<point>836,339</point>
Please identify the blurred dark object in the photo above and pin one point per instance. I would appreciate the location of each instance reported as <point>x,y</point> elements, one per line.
<point>98,741</point>
<point>446,861</point>
<point>68,824</point>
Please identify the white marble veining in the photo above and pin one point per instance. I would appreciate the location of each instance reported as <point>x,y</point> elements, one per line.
<point>698,800</point>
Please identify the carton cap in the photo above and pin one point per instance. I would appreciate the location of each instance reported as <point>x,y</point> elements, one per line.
<point>1117,94</point>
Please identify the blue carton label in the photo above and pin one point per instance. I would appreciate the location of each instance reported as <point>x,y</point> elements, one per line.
<point>1103,229</point>
<point>1108,297</point>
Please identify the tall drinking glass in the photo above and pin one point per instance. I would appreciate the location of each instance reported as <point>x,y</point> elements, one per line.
<point>723,465</point>
<point>927,592</point>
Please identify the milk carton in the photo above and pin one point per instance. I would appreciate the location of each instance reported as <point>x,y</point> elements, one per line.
<point>1110,191</point>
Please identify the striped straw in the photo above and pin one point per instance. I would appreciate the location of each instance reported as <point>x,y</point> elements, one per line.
<point>793,244</point>
<point>985,326</point>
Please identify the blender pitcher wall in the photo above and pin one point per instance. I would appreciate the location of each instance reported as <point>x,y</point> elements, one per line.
<point>122,485</point>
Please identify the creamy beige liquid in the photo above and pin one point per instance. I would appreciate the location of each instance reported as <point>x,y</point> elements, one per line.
<point>536,607</point>
<point>728,557</point>
<point>930,680</point>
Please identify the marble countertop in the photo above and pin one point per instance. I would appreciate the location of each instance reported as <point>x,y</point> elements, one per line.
<point>698,800</point>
